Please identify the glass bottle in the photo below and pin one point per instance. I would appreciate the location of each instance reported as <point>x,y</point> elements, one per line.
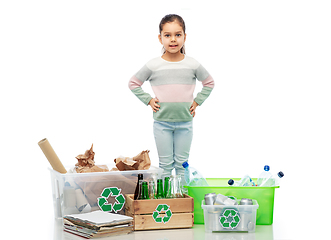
<point>145,194</point>
<point>177,192</point>
<point>159,191</point>
<point>151,189</point>
<point>167,188</point>
<point>136,192</point>
<point>140,190</point>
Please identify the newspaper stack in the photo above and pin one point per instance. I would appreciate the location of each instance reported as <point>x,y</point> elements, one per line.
<point>97,224</point>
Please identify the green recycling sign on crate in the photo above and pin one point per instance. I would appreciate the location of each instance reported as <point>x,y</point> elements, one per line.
<point>160,209</point>
<point>230,218</point>
<point>119,199</point>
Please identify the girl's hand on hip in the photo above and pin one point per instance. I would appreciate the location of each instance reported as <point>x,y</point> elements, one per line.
<point>193,107</point>
<point>153,103</point>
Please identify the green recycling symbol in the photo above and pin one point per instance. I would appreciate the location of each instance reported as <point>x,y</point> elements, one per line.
<point>106,193</point>
<point>230,218</point>
<point>160,208</point>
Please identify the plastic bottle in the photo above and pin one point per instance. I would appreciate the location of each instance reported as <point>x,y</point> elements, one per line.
<point>273,180</point>
<point>266,174</point>
<point>246,181</point>
<point>193,177</point>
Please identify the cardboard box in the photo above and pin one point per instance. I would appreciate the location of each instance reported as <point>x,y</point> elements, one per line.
<point>160,213</point>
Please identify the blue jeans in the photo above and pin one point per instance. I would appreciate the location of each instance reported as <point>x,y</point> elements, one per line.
<point>173,142</point>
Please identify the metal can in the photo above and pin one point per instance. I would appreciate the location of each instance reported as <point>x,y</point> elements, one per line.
<point>246,201</point>
<point>245,223</point>
<point>210,198</point>
<point>214,221</point>
<point>224,200</point>
<point>245,215</point>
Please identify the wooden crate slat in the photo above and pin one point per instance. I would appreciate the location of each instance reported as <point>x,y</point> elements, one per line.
<point>177,220</point>
<point>142,210</point>
<point>177,205</point>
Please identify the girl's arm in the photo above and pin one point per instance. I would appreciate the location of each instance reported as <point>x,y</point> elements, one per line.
<point>207,83</point>
<point>137,81</point>
<point>193,107</point>
<point>153,103</point>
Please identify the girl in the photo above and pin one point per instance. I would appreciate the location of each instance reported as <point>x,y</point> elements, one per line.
<point>172,77</point>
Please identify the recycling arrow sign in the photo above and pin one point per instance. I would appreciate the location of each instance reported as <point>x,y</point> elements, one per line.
<point>119,199</point>
<point>162,208</point>
<point>230,218</point>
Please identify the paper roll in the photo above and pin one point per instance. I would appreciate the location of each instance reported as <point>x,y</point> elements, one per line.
<point>81,199</point>
<point>51,156</point>
<point>69,195</point>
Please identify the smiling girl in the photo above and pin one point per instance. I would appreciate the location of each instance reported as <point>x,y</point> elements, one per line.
<point>172,77</point>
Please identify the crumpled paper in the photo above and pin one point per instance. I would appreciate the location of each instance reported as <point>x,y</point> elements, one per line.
<point>93,185</point>
<point>86,163</point>
<point>139,162</point>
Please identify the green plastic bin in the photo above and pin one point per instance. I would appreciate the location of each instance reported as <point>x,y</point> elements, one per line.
<point>263,195</point>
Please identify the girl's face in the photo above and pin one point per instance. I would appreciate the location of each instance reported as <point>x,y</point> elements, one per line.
<point>172,37</point>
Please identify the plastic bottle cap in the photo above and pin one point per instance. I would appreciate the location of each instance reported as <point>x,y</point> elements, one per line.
<point>231,182</point>
<point>185,164</point>
<point>280,174</point>
<point>266,168</point>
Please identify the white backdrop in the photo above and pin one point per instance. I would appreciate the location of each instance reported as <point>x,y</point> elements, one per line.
<point>65,67</point>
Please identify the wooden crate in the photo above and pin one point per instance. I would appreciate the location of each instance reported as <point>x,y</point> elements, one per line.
<point>147,214</point>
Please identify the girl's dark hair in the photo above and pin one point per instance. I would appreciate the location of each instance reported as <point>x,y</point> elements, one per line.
<point>172,18</point>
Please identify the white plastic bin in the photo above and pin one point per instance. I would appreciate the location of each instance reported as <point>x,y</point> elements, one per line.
<point>230,218</point>
<point>84,192</point>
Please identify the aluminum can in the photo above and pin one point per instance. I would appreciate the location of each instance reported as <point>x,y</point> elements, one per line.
<point>210,198</point>
<point>246,201</point>
<point>245,215</point>
<point>214,220</point>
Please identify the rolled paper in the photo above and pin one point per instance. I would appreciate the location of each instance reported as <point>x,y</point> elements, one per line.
<point>80,199</point>
<point>87,208</point>
<point>51,156</point>
<point>69,195</point>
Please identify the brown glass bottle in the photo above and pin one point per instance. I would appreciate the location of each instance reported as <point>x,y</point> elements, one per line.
<point>137,191</point>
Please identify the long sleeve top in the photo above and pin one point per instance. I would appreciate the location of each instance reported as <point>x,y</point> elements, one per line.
<point>173,83</point>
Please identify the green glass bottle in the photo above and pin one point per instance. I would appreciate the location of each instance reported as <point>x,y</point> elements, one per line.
<point>159,191</point>
<point>144,194</point>
<point>167,188</point>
